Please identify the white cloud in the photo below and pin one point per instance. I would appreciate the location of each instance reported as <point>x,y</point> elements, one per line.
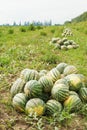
<point>27,10</point>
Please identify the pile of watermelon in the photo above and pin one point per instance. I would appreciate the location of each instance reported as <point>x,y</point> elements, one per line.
<point>48,92</point>
<point>67,32</point>
<point>63,43</point>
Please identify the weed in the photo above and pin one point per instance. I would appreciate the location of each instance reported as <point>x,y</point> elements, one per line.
<point>83,111</point>
<point>0,33</point>
<point>39,27</point>
<point>40,124</point>
<point>10,31</point>
<point>63,118</point>
<point>4,60</point>
<point>53,31</point>
<point>85,31</point>
<point>50,58</point>
<point>43,33</point>
<point>31,27</point>
<point>22,29</point>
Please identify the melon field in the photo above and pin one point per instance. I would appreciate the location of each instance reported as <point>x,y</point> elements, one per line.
<point>28,47</point>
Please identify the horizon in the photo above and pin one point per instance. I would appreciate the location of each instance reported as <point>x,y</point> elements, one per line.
<point>56,11</point>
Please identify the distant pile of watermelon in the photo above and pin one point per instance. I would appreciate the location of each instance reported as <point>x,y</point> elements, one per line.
<point>48,92</point>
<point>67,32</point>
<point>63,43</point>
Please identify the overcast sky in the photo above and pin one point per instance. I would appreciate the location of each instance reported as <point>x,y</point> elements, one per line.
<point>40,10</point>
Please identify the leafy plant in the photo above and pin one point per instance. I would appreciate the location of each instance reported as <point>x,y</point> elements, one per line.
<point>52,30</point>
<point>0,33</point>
<point>10,31</point>
<point>83,111</point>
<point>40,124</point>
<point>39,27</point>
<point>50,58</point>
<point>43,33</point>
<point>31,27</point>
<point>22,29</point>
<point>63,118</point>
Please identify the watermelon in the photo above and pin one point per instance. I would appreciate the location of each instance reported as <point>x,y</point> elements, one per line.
<point>69,46</point>
<point>43,73</point>
<point>62,81</point>
<point>25,74</point>
<point>73,103</point>
<point>46,83</point>
<point>60,92</point>
<point>70,69</point>
<point>83,93</point>
<point>17,87</point>
<point>33,89</point>
<point>53,106</point>
<point>74,82</point>
<point>29,74</point>
<point>73,93</point>
<point>19,101</point>
<point>63,47</point>
<point>61,67</point>
<point>54,74</point>
<point>35,106</point>
<point>83,79</point>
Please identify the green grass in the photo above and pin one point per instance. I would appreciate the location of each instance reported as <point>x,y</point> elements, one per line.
<point>26,48</point>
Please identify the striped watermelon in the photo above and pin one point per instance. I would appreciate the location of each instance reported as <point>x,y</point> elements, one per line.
<point>74,82</point>
<point>17,87</point>
<point>29,74</point>
<point>83,79</point>
<point>60,92</point>
<point>83,93</point>
<point>61,67</point>
<point>53,106</point>
<point>70,69</point>
<point>33,89</point>
<point>73,103</point>
<point>46,83</point>
<point>43,73</point>
<point>54,74</point>
<point>73,93</point>
<point>25,74</point>
<point>19,102</point>
<point>62,81</point>
<point>35,106</point>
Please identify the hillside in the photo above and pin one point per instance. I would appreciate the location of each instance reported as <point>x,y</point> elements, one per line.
<point>22,47</point>
<point>80,18</point>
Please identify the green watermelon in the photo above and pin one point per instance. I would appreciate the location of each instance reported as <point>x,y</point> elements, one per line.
<point>19,102</point>
<point>33,89</point>
<point>46,83</point>
<point>83,93</point>
<point>60,92</point>
<point>29,74</point>
<point>61,67</point>
<point>73,103</point>
<point>53,106</point>
<point>74,82</point>
<point>54,74</point>
<point>35,106</point>
<point>62,81</point>
<point>83,79</point>
<point>17,87</point>
<point>43,73</point>
<point>70,69</point>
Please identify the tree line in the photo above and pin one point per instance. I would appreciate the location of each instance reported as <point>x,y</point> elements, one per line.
<point>27,23</point>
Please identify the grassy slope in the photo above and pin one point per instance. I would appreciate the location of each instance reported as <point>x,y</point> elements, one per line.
<point>30,49</point>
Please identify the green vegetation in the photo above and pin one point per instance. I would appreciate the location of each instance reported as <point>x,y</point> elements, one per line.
<point>10,31</point>
<point>80,18</point>
<point>31,49</point>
